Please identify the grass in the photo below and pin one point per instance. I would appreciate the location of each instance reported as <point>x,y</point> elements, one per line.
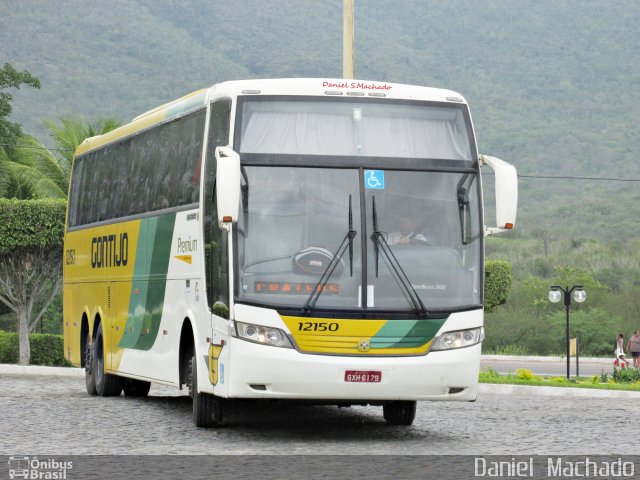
<point>619,380</point>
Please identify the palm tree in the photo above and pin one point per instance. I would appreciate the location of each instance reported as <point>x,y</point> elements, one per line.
<point>34,171</point>
<point>31,170</point>
<point>73,131</point>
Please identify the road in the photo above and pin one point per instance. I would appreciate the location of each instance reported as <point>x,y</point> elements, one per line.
<point>50,415</point>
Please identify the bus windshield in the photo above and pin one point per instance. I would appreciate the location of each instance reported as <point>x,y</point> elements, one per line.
<point>354,128</point>
<point>424,227</point>
<point>341,193</point>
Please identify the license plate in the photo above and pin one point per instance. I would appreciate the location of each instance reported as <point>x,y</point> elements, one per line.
<point>359,376</point>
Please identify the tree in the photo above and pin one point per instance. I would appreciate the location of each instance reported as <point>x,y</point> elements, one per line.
<point>31,170</point>
<point>11,78</point>
<point>595,328</point>
<point>31,238</point>
<point>72,131</point>
<point>497,283</point>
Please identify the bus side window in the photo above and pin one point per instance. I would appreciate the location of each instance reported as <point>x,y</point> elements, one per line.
<point>76,193</point>
<point>164,155</point>
<point>187,164</point>
<point>90,179</point>
<point>139,190</point>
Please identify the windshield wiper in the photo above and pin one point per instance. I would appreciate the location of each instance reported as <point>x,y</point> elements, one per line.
<point>400,276</point>
<point>464,208</point>
<point>347,242</point>
<point>245,202</point>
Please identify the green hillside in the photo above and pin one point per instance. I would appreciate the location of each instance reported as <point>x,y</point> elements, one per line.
<point>554,88</point>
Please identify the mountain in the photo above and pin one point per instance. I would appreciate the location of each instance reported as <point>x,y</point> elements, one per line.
<point>553,86</point>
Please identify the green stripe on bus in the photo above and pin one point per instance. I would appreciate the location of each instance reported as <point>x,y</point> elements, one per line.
<point>406,333</point>
<point>148,287</point>
<point>161,254</point>
<point>138,294</point>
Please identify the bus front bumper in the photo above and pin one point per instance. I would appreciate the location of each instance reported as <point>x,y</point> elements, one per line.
<point>258,371</point>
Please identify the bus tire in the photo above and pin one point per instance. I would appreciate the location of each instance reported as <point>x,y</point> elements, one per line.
<point>107,385</point>
<point>135,388</point>
<point>400,412</point>
<point>89,377</point>
<point>207,408</point>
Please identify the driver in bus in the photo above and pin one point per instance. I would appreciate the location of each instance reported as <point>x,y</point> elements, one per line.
<point>407,234</point>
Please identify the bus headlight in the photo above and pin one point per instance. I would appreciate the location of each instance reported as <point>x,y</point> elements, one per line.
<point>458,339</point>
<point>263,335</point>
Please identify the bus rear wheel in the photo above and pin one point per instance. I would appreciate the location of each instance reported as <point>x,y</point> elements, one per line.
<point>107,385</point>
<point>400,412</point>
<point>89,377</point>
<point>135,388</point>
<point>207,408</point>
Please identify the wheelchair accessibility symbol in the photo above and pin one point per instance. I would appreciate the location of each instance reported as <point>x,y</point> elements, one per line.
<point>374,179</point>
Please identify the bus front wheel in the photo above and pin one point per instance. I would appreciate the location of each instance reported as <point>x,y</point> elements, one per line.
<point>207,408</point>
<point>399,413</point>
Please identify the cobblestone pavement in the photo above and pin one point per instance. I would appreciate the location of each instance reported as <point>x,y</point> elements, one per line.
<point>54,416</point>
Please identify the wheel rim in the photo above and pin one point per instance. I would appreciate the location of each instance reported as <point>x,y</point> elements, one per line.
<point>87,356</point>
<point>99,359</point>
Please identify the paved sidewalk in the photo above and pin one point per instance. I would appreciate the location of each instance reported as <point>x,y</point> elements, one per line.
<point>24,370</point>
<point>525,359</point>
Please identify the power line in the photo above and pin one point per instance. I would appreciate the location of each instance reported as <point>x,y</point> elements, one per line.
<point>546,177</point>
<point>36,148</point>
<point>569,177</point>
<point>601,179</point>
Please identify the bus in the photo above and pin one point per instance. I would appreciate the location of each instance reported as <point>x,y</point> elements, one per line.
<point>295,240</point>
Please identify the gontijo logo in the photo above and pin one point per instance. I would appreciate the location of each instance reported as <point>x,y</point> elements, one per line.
<point>110,251</point>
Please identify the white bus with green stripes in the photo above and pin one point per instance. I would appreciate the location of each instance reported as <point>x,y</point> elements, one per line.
<point>296,240</point>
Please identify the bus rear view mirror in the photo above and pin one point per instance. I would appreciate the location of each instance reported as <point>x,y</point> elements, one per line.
<point>506,189</point>
<point>227,184</point>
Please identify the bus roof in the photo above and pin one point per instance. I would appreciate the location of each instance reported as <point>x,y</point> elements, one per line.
<point>289,86</point>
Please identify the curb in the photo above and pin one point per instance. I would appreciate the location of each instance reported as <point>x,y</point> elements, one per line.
<point>34,370</point>
<point>566,392</point>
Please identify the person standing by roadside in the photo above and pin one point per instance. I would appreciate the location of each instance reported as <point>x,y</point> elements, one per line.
<point>634,347</point>
<point>620,357</point>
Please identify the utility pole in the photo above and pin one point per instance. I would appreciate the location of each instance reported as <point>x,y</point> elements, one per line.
<point>348,50</point>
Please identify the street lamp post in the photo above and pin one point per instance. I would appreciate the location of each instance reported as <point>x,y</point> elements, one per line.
<point>348,40</point>
<point>579,295</point>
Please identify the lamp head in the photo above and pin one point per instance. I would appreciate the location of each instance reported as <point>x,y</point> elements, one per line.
<point>579,295</point>
<point>555,294</point>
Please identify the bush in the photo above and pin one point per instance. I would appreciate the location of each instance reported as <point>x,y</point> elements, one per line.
<point>595,329</point>
<point>8,347</point>
<point>626,375</point>
<point>46,349</point>
<point>525,374</point>
<point>489,373</point>
<point>497,283</point>
<point>560,380</point>
<point>28,224</point>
